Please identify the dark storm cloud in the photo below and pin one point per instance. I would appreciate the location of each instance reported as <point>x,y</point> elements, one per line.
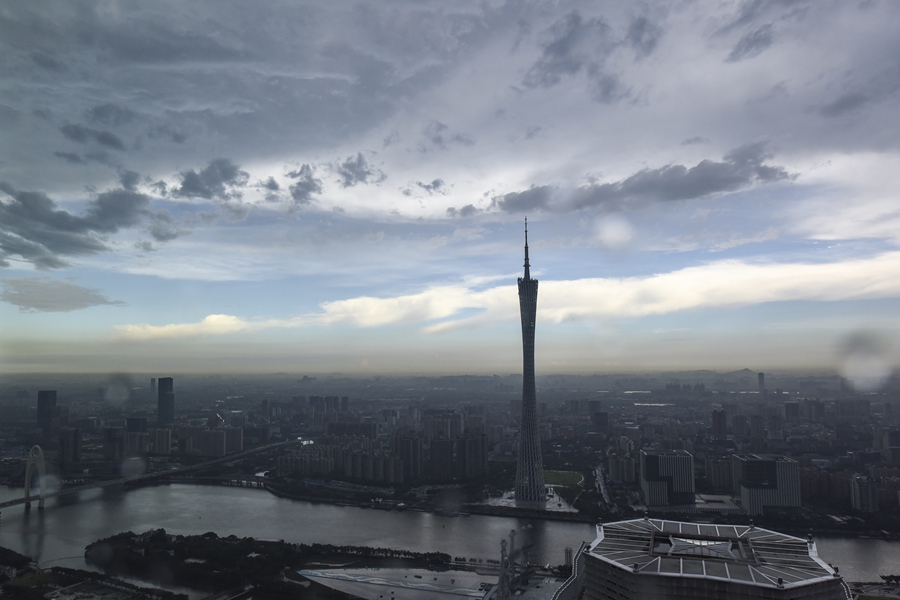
<point>36,230</point>
<point>357,170</point>
<point>305,185</point>
<point>432,187</point>
<point>271,189</point>
<point>753,11</point>
<point>466,211</point>
<point>752,44</point>
<point>39,294</point>
<point>48,61</point>
<point>535,197</point>
<point>82,135</point>
<point>70,157</point>
<point>575,45</point>
<point>643,35</point>
<point>110,114</point>
<point>163,229</point>
<point>741,168</point>
<point>847,103</point>
<point>218,180</point>
<point>129,179</point>
<point>438,136</point>
<point>160,188</point>
<point>166,132</point>
<point>569,49</point>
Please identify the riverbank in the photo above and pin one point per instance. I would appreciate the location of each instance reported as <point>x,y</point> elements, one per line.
<point>215,564</point>
<point>563,516</point>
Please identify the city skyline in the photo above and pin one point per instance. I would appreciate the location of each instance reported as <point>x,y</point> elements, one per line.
<point>219,188</point>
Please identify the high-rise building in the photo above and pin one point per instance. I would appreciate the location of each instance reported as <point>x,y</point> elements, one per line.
<point>740,426</point>
<point>766,482</point>
<point>165,407</point>
<point>408,446</point>
<point>530,465</point>
<point>600,420</point>
<point>162,441</point>
<point>47,413</point>
<point>757,427</point>
<point>719,424</point>
<point>472,456</point>
<point>621,469</point>
<point>667,478</point>
<point>761,377</point>
<point>69,452</point>
<point>212,442</point>
<point>656,559</point>
<point>864,494</point>
<point>442,463</point>
<point>234,439</point>
<point>136,424</point>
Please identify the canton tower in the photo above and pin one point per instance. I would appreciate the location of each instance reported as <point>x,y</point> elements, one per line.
<point>530,466</point>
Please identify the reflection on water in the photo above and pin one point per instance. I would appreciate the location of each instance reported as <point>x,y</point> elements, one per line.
<point>69,524</point>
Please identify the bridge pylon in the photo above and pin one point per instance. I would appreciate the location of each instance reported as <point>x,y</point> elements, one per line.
<point>35,459</point>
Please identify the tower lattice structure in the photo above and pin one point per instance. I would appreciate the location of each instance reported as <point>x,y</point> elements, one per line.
<point>530,466</point>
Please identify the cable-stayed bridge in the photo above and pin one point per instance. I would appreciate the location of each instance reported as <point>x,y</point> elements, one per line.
<point>28,498</point>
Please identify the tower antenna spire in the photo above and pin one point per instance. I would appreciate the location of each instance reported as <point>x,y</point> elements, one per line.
<point>527,265</point>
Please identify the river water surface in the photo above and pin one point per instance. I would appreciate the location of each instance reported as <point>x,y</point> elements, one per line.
<point>58,534</point>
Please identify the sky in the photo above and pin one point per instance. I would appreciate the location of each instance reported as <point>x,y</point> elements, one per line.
<point>219,186</point>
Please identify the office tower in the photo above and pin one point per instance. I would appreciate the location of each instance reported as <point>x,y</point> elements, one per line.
<point>718,474</point>
<point>152,386</point>
<point>864,494</point>
<point>762,382</point>
<point>530,464</point>
<point>114,443</point>
<point>667,478</point>
<point>165,401</point>
<point>740,426</point>
<point>766,482</point>
<point>719,427</point>
<point>69,452</point>
<point>47,412</point>
<point>757,426</point>
<point>600,420</point>
<point>654,559</point>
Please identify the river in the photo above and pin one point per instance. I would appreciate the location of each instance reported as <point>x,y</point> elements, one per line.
<point>58,535</point>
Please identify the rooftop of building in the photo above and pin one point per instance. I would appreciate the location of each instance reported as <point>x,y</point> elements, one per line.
<point>772,457</point>
<point>744,554</point>
<point>652,451</point>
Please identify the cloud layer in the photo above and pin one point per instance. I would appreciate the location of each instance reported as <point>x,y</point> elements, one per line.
<point>716,285</point>
<point>332,167</point>
<point>37,294</point>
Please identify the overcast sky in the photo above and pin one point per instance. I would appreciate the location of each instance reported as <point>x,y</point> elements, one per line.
<point>341,187</point>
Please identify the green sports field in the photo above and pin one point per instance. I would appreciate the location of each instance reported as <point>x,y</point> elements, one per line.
<point>564,478</point>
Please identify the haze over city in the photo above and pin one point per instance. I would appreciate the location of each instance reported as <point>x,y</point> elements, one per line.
<point>316,188</point>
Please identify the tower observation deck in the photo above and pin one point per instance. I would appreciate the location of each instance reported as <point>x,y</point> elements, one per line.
<point>530,465</point>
